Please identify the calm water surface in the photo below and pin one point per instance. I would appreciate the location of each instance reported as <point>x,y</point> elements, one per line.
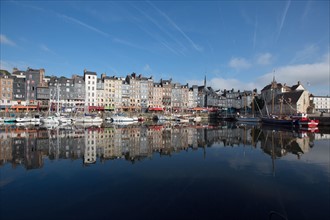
<point>164,172</point>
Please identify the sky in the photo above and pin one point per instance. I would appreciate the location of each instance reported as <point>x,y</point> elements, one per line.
<point>237,45</point>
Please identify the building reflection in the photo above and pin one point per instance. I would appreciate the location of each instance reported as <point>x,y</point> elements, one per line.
<point>29,147</point>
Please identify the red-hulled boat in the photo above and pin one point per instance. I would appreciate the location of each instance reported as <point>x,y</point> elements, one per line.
<point>304,121</point>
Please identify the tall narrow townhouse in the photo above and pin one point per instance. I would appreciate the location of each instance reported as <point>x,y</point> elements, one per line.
<point>167,94</point>
<point>157,95</point>
<point>6,90</point>
<point>90,89</point>
<point>34,78</point>
<point>100,95</point>
<point>118,82</point>
<point>145,85</point>
<point>135,92</point>
<point>185,97</point>
<point>113,92</point>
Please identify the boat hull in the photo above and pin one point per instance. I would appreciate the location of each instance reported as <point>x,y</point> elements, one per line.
<point>282,122</point>
<point>247,119</point>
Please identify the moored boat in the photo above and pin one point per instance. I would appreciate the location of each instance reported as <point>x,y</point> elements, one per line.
<point>89,118</point>
<point>121,118</point>
<point>53,120</point>
<point>304,121</point>
<point>248,119</point>
<point>274,120</point>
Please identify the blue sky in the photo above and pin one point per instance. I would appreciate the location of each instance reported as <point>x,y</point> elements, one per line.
<point>236,44</point>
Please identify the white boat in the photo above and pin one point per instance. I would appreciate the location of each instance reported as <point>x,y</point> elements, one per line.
<point>50,120</point>
<point>89,119</point>
<point>65,120</point>
<point>28,119</point>
<point>123,123</point>
<point>23,119</point>
<point>182,119</point>
<point>121,118</point>
<point>9,120</point>
<point>195,119</point>
<point>35,119</point>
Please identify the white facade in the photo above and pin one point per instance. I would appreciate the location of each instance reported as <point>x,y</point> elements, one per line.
<point>321,103</point>
<point>90,88</point>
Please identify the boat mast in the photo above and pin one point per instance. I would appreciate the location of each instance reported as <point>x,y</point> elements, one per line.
<point>272,89</point>
<point>58,98</point>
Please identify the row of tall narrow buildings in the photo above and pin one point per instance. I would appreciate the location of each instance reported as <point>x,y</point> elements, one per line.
<point>137,93</point>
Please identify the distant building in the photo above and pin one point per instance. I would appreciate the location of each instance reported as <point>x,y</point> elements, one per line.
<point>193,96</point>
<point>320,103</point>
<point>135,92</point>
<point>176,97</point>
<point>145,86</point>
<point>6,91</point>
<point>125,96</point>
<point>34,78</point>
<point>19,85</point>
<point>167,94</point>
<point>79,92</point>
<point>90,89</point>
<point>157,96</point>
<point>284,99</point>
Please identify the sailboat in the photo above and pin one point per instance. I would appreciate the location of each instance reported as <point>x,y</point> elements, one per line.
<point>278,120</point>
<point>51,119</point>
<point>251,118</point>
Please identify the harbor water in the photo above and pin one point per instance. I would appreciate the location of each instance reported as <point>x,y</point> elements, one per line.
<point>164,171</point>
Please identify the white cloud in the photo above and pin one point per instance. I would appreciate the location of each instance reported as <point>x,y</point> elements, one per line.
<point>5,65</point>
<point>239,63</point>
<point>147,68</point>
<point>287,6</point>
<point>314,75</point>
<point>176,27</point>
<point>76,21</point>
<point>44,48</point>
<point>9,65</point>
<point>221,83</point>
<point>5,40</point>
<point>264,59</point>
<point>308,52</point>
<point>195,82</point>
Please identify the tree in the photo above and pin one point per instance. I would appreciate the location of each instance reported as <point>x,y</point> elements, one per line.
<point>4,72</point>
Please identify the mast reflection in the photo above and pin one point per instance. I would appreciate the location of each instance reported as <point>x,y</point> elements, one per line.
<point>28,147</point>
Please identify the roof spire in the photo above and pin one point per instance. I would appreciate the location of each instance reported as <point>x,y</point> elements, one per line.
<point>205,81</point>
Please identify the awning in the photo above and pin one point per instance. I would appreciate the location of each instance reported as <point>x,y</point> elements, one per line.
<point>24,107</point>
<point>198,109</point>
<point>96,108</point>
<point>155,109</point>
<point>109,108</point>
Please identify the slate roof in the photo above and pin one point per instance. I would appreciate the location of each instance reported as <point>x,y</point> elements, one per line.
<point>278,85</point>
<point>293,96</point>
<point>90,73</point>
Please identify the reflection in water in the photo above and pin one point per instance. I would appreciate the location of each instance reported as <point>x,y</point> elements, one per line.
<point>196,172</point>
<point>28,147</point>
